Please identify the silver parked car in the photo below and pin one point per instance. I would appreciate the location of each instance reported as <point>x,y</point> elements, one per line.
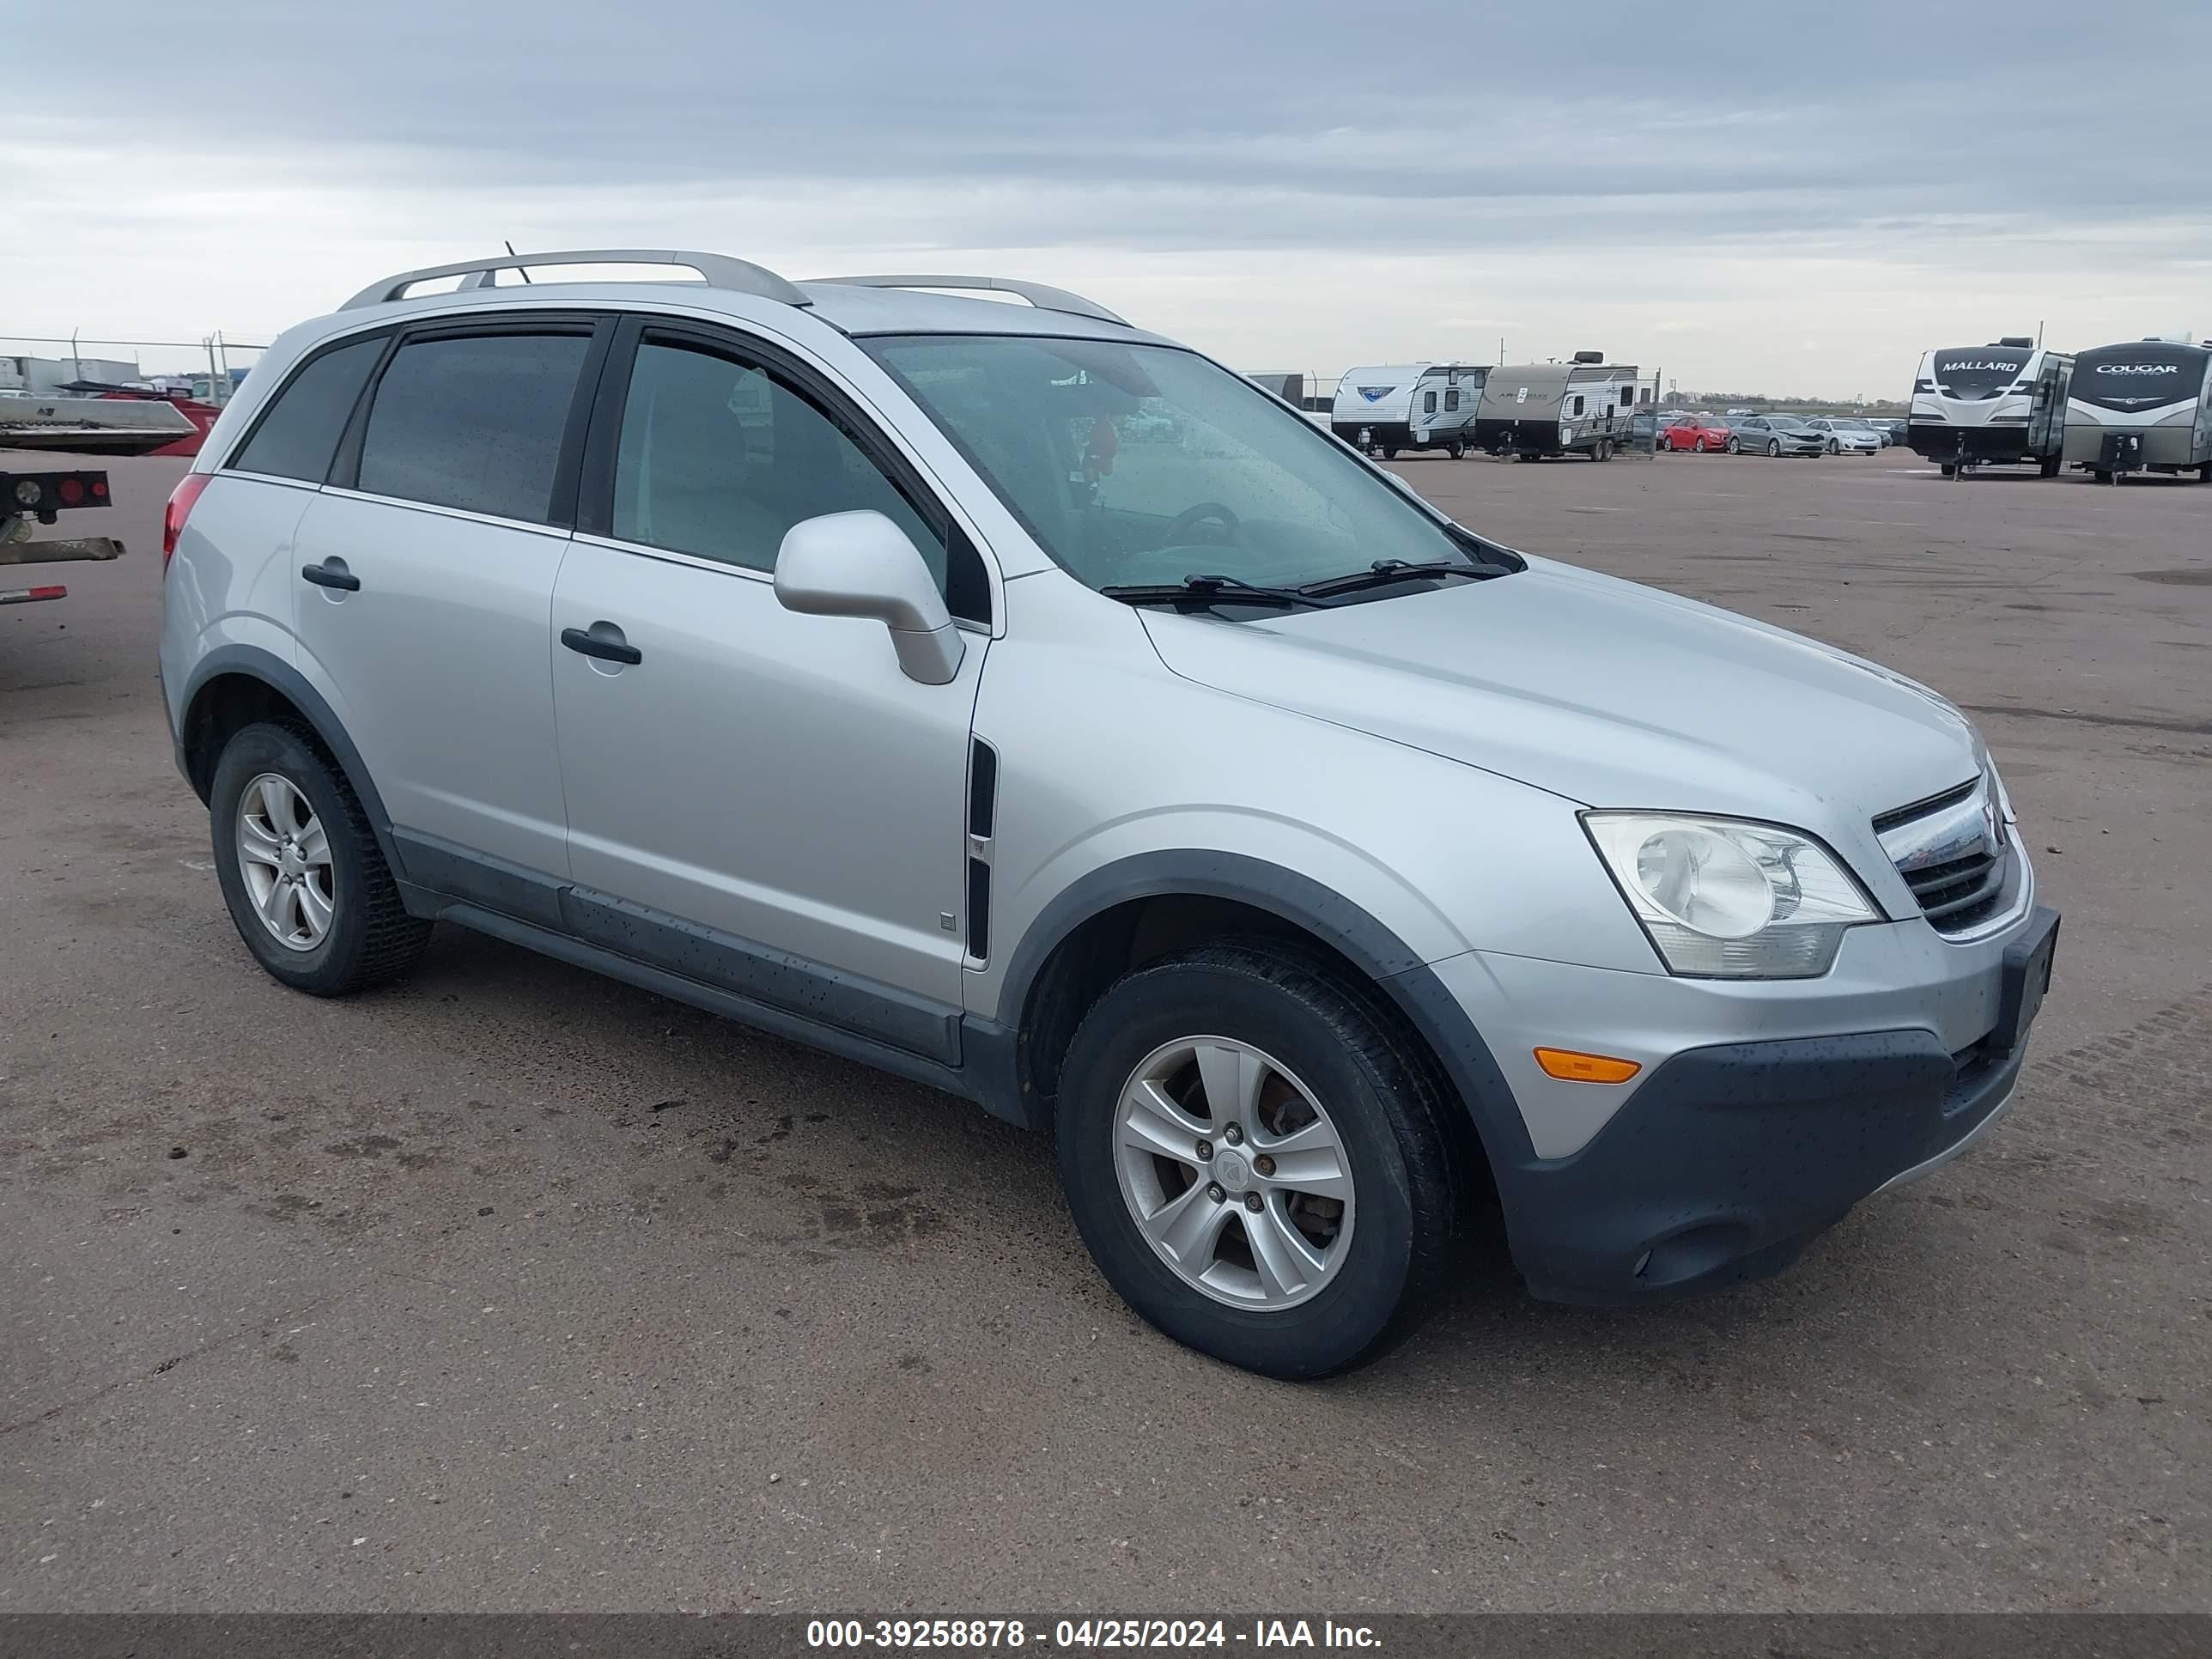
<point>864,665</point>
<point>1775,435</point>
<point>1849,436</point>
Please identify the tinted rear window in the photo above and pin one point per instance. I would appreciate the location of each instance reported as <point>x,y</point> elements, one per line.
<point>474,423</point>
<point>299,433</point>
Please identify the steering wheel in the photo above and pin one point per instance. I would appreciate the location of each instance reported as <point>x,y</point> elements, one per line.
<point>1191,517</point>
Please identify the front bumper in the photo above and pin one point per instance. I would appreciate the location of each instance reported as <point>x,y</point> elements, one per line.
<point>1734,1148</point>
<point>1998,446</point>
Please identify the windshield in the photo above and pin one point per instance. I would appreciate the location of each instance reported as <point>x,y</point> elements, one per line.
<point>1136,465</point>
<point>1789,424</point>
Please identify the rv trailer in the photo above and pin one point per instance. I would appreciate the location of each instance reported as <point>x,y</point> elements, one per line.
<point>1395,406</point>
<point>2143,406</point>
<point>2001,405</point>
<point>1582,407</point>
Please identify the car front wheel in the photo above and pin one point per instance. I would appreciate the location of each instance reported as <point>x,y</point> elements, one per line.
<point>306,885</point>
<point>1258,1160</point>
<point>1774,450</point>
<point>1734,446</point>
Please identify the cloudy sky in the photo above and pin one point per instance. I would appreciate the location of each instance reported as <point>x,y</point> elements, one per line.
<point>1797,196</point>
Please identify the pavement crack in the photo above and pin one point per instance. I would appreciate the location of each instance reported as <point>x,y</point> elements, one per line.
<point>2140,722</point>
<point>250,1328</point>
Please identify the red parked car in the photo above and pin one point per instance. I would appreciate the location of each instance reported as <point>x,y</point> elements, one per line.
<point>1694,432</point>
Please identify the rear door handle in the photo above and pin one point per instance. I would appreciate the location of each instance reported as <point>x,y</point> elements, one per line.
<point>331,573</point>
<point>602,640</point>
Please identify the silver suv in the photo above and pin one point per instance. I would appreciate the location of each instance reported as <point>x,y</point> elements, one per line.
<point>1030,706</point>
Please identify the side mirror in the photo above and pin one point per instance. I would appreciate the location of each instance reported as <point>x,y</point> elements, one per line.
<point>861,564</point>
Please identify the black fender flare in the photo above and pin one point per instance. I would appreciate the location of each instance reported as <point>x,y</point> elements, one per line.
<point>253,662</point>
<point>1434,1013</point>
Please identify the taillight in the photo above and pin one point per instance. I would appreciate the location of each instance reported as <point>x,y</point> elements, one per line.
<point>179,509</point>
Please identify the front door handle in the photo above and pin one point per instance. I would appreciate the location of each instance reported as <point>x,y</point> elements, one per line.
<point>331,573</point>
<point>602,640</point>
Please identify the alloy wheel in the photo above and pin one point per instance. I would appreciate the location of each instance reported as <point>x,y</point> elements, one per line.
<point>285,858</point>
<point>1234,1173</point>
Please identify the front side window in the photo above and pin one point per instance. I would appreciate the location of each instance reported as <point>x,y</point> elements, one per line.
<point>298,433</point>
<point>474,421</point>
<point>1147,464</point>
<point>720,457</point>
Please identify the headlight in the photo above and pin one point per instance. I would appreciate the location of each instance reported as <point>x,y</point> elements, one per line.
<point>1723,898</point>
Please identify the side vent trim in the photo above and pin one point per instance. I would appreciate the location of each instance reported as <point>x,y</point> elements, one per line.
<point>982,788</point>
<point>979,909</point>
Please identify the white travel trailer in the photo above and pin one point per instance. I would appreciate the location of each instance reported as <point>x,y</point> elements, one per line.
<point>1584,407</point>
<point>1395,406</point>
<point>2145,406</point>
<point>2001,405</point>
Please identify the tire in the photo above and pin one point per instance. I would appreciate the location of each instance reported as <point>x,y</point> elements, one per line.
<point>2049,467</point>
<point>1454,449</point>
<point>1385,1112</point>
<point>1700,446</point>
<point>2204,473</point>
<point>1774,450</point>
<point>1390,451</point>
<point>368,937</point>
<point>1734,446</point>
<point>1834,448</point>
<point>1949,469</point>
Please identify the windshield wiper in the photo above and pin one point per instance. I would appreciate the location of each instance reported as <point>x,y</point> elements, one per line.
<point>1383,572</point>
<point>1211,590</point>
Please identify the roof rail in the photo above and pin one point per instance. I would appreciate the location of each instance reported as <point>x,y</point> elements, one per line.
<point>1037,294</point>
<point>719,268</point>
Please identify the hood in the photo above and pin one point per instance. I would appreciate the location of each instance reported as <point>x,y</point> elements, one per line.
<point>1600,690</point>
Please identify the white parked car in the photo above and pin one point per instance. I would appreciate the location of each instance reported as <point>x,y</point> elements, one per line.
<point>1850,436</point>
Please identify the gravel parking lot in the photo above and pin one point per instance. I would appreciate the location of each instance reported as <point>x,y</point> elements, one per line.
<point>514,1288</point>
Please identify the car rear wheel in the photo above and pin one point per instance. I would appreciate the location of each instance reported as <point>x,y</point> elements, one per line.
<point>306,885</point>
<point>1257,1160</point>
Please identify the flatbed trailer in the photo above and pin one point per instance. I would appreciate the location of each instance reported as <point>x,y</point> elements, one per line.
<point>31,499</point>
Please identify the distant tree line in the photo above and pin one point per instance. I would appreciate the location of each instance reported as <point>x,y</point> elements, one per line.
<point>1764,404</point>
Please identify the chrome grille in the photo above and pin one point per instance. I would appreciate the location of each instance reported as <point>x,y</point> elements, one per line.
<point>1952,852</point>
